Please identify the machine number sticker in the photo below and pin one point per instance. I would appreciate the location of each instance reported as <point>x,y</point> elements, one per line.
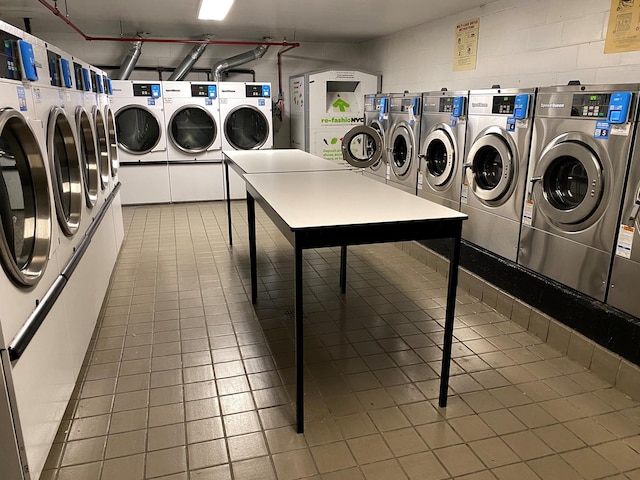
<point>511,124</point>
<point>602,130</point>
<point>625,241</point>
<point>420,179</point>
<point>465,193</point>
<point>151,101</point>
<point>388,172</point>
<point>527,214</point>
<point>261,102</point>
<point>454,122</point>
<point>22,99</point>
<point>621,130</point>
<point>208,101</point>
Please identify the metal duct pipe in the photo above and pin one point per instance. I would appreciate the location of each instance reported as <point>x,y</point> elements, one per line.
<point>189,61</point>
<point>223,65</point>
<point>133,55</point>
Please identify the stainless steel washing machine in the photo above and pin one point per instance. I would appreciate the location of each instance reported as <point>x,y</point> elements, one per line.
<point>581,146</point>
<point>364,148</point>
<point>403,140</point>
<point>442,135</point>
<point>499,129</point>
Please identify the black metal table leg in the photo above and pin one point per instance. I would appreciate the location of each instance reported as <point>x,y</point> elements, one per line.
<point>226,177</point>
<point>299,339</point>
<point>449,317</point>
<point>343,269</point>
<point>251,217</point>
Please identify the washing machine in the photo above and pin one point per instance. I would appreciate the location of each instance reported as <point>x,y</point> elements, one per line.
<point>405,111</point>
<point>246,122</point>
<point>499,126</point>
<point>364,148</point>
<point>39,384</point>
<point>192,116</point>
<point>443,128</point>
<point>582,141</point>
<point>51,108</point>
<point>142,143</point>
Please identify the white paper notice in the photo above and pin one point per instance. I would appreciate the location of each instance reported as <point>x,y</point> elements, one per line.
<point>527,214</point>
<point>420,180</point>
<point>625,241</point>
<point>388,172</point>
<point>465,193</point>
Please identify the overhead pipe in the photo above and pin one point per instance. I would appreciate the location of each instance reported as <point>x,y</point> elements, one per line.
<point>280,102</point>
<point>133,55</point>
<point>189,61</point>
<point>223,65</point>
<point>90,38</point>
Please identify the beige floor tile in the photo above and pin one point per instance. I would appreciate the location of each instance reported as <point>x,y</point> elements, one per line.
<point>254,469</point>
<point>533,416</point>
<point>332,457</point>
<point>438,435</point>
<point>554,468</point>
<point>459,460</point>
<point>241,423</point>
<point>294,465</point>
<point>80,472</point>
<point>83,451</point>
<point>166,462</point>
<point>169,436</point>
<point>416,465</point>
<point>247,446</point>
<point>421,413</point>
<point>123,444</point>
<point>559,438</point>
<point>494,452</point>
<point>347,474</point>
<point>527,445</point>
<point>404,442</point>
<point>389,419</point>
<point>589,464</point>
<point>383,470</point>
<point>89,427</point>
<point>517,471</point>
<point>620,455</point>
<point>166,415</point>
<point>285,439</point>
<point>590,431</point>
<point>322,431</point>
<point>220,472</point>
<point>205,429</point>
<point>471,428</point>
<point>356,425</point>
<point>124,468</point>
<point>369,449</point>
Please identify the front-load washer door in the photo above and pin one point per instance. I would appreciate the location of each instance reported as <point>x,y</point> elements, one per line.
<point>568,185</point>
<point>112,141</point>
<point>66,173</point>
<point>246,128</point>
<point>103,147</point>
<point>137,129</point>
<point>379,164</point>
<point>491,167</point>
<point>25,209</point>
<point>362,147</point>
<point>88,156</point>
<point>439,158</point>
<point>402,146</point>
<point>192,129</point>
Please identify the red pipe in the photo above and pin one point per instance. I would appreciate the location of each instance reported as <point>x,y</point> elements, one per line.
<point>89,38</point>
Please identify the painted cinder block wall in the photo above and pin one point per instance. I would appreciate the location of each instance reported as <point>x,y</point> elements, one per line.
<point>522,43</point>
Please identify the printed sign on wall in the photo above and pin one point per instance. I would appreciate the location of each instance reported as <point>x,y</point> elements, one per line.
<point>465,49</point>
<point>623,33</point>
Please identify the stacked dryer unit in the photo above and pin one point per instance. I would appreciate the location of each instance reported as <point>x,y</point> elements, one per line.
<point>139,116</point>
<point>581,147</point>
<point>499,127</point>
<point>443,133</point>
<point>405,112</point>
<point>194,149</point>
<point>246,122</point>
<point>364,148</point>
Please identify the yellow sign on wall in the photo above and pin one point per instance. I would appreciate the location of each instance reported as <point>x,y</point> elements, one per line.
<point>623,33</point>
<point>465,48</point>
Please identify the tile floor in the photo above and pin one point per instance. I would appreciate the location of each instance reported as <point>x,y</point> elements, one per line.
<point>186,380</point>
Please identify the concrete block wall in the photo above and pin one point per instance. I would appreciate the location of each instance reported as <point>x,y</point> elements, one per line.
<point>522,43</point>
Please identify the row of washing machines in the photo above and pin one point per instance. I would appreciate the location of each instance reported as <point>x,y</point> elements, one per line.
<point>60,232</point>
<point>550,177</point>
<point>171,135</point>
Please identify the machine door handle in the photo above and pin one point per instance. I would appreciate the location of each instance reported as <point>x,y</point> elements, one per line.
<point>468,165</point>
<point>534,180</point>
<point>634,212</point>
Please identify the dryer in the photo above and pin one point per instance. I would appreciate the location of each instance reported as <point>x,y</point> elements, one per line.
<point>364,147</point>
<point>581,146</point>
<point>443,128</point>
<point>192,115</point>
<point>499,126</point>
<point>246,121</point>
<point>142,143</point>
<point>405,111</point>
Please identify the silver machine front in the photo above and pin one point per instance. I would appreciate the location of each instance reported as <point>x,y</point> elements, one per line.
<point>498,138</point>
<point>442,132</point>
<point>581,147</point>
<point>403,140</point>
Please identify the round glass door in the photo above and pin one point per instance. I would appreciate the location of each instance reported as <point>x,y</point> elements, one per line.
<point>137,129</point>
<point>246,128</point>
<point>112,142</point>
<point>65,171</point>
<point>192,129</point>
<point>88,156</point>
<point>491,168</point>
<point>362,146</point>
<point>378,128</point>
<point>571,186</point>
<point>439,158</point>
<point>25,209</point>
<point>103,147</point>
<point>402,146</point>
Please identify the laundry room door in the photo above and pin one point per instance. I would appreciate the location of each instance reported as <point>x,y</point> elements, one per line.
<point>246,128</point>
<point>362,146</point>
<point>25,208</point>
<point>491,167</point>
<point>192,129</point>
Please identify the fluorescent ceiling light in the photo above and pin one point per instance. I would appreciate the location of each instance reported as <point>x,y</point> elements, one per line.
<point>214,9</point>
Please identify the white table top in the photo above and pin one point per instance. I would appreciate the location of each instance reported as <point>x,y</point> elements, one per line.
<point>279,160</point>
<point>323,199</point>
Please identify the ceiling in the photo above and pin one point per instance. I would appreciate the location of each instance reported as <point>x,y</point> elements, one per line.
<point>296,20</point>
